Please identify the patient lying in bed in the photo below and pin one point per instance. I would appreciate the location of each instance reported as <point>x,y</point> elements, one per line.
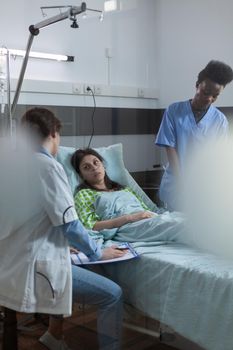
<point>116,211</point>
<point>186,289</point>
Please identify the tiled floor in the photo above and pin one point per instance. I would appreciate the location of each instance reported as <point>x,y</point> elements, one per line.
<point>80,334</point>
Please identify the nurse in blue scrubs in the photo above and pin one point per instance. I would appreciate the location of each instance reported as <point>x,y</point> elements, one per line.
<point>188,123</point>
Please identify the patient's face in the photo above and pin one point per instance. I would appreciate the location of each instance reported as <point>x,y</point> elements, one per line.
<point>92,170</point>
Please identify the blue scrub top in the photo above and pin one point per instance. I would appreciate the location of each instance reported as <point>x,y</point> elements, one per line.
<point>180,130</point>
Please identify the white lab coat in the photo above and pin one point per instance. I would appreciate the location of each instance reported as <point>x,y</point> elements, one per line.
<point>35,268</point>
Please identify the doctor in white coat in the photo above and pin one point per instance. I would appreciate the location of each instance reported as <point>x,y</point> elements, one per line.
<point>35,268</point>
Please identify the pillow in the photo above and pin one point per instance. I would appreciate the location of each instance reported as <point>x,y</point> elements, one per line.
<point>115,168</point>
<point>64,156</point>
<point>113,162</point>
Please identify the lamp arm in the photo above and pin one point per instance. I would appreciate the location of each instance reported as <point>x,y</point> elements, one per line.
<point>72,11</point>
<point>21,75</point>
<point>34,30</point>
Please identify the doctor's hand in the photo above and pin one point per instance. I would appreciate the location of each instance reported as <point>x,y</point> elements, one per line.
<point>74,250</point>
<point>112,252</point>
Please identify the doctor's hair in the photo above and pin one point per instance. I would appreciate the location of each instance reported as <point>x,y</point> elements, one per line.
<point>76,160</point>
<point>41,122</point>
<point>216,71</point>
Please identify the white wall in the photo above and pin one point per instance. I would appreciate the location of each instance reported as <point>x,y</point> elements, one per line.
<point>191,33</point>
<point>124,32</point>
<point>155,44</point>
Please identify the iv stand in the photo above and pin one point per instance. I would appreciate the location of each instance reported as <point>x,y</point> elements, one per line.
<point>34,30</point>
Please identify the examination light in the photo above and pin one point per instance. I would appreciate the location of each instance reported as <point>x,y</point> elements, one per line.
<point>70,13</point>
<point>34,30</point>
<point>74,24</point>
<point>72,16</point>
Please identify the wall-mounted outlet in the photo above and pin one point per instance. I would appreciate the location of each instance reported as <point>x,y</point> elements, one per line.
<point>77,88</point>
<point>98,90</point>
<point>87,89</point>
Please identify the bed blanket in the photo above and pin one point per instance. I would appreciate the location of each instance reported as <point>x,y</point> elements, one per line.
<point>189,290</point>
<point>162,227</point>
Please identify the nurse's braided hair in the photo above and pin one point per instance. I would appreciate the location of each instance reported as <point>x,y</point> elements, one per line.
<point>76,159</point>
<point>41,122</point>
<point>216,71</point>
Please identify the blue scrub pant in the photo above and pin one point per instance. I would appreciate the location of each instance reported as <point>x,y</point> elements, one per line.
<point>93,289</point>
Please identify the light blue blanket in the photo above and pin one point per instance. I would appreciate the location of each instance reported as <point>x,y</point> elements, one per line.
<point>160,228</point>
<point>185,288</point>
<point>189,290</point>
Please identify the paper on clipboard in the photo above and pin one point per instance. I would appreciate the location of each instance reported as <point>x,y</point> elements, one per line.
<point>82,259</point>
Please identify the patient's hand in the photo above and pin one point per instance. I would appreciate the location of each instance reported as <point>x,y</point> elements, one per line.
<point>123,220</point>
<point>140,216</point>
<point>112,252</point>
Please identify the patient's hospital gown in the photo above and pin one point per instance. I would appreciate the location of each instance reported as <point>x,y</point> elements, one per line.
<point>161,227</point>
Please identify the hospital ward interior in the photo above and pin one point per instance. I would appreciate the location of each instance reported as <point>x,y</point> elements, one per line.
<point>116,180</point>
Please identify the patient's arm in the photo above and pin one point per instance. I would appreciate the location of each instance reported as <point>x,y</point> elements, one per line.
<point>84,204</point>
<point>122,220</point>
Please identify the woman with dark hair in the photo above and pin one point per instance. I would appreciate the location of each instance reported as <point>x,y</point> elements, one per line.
<point>48,278</point>
<point>76,160</point>
<point>115,210</point>
<point>189,123</point>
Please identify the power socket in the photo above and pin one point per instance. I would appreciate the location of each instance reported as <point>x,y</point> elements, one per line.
<point>77,88</point>
<point>87,89</point>
<point>98,90</point>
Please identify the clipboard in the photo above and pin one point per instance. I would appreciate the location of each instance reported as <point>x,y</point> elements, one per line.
<point>81,259</point>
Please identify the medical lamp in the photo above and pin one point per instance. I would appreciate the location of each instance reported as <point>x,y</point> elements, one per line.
<point>71,13</point>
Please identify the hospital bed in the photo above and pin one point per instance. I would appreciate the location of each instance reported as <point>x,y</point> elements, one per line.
<point>185,289</point>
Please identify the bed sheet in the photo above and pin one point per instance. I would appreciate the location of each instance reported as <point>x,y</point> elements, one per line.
<point>189,290</point>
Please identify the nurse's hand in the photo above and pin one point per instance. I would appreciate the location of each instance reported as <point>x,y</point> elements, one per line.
<point>112,252</point>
